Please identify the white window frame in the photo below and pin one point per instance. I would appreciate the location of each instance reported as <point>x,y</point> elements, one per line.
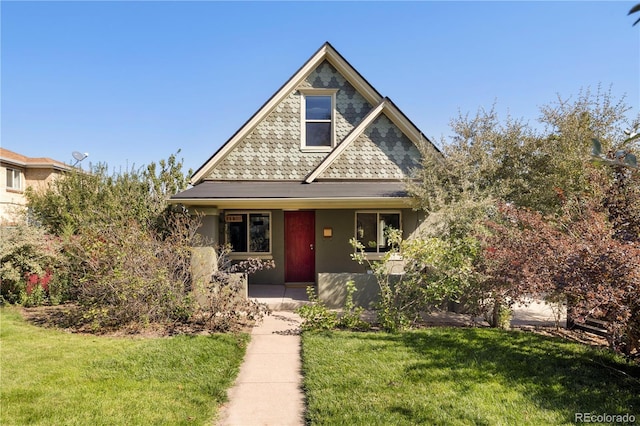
<point>377,254</point>
<point>249,253</point>
<point>305,92</point>
<point>16,175</point>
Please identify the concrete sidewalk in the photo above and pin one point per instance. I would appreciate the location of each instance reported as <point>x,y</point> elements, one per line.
<point>268,389</point>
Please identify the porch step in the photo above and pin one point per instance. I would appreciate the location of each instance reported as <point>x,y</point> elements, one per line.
<point>286,306</point>
<point>279,297</point>
<point>299,285</point>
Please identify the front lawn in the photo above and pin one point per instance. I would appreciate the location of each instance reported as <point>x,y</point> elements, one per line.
<point>461,376</point>
<point>49,377</point>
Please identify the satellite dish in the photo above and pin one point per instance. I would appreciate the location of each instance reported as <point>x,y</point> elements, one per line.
<point>79,156</point>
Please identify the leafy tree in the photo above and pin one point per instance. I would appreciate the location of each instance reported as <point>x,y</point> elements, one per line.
<point>621,194</point>
<point>97,197</point>
<point>129,254</point>
<point>489,160</point>
<point>489,163</point>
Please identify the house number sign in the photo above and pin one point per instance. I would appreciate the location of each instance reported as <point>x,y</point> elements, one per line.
<point>233,218</point>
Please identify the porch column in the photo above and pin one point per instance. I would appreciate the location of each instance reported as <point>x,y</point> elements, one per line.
<point>204,260</point>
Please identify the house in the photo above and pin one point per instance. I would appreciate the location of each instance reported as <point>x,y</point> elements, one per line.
<point>324,160</point>
<point>17,172</point>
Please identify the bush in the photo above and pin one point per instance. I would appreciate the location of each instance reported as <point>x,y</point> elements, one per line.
<point>576,255</point>
<point>32,267</point>
<point>127,274</point>
<point>351,316</point>
<point>435,270</point>
<point>102,199</point>
<point>316,315</point>
<point>225,307</point>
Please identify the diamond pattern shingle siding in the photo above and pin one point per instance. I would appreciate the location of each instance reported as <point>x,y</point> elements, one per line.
<point>381,152</point>
<point>272,150</point>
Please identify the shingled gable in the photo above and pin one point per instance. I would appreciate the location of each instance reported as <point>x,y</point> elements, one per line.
<point>390,111</point>
<point>240,156</point>
<point>325,53</point>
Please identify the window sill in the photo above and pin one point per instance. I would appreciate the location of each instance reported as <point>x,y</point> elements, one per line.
<point>316,149</point>
<point>245,256</point>
<point>380,256</point>
<point>15,190</point>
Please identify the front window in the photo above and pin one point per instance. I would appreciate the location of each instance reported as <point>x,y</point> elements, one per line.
<point>13,179</point>
<point>372,230</point>
<point>248,232</point>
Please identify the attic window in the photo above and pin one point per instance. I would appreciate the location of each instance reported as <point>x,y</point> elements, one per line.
<point>317,126</point>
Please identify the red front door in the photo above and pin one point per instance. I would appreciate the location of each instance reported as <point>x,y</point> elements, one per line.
<point>299,246</point>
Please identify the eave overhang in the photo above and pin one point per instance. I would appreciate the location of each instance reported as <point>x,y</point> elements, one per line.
<point>34,165</point>
<point>295,195</point>
<point>298,203</point>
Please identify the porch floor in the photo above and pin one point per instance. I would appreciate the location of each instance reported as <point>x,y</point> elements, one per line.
<point>279,297</point>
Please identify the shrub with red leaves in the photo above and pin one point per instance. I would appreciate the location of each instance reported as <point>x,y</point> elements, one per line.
<point>575,255</point>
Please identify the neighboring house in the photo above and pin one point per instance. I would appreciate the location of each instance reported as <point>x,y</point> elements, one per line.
<point>18,172</point>
<point>324,160</point>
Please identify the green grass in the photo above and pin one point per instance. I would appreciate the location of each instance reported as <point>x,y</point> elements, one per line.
<point>461,376</point>
<point>49,377</point>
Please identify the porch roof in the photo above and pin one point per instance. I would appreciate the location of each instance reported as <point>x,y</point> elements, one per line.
<point>295,194</point>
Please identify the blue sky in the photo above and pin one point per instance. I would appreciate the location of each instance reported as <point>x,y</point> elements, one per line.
<point>133,82</point>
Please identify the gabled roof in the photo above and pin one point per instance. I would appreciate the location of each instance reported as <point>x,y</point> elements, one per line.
<point>362,86</point>
<point>389,109</point>
<point>379,107</point>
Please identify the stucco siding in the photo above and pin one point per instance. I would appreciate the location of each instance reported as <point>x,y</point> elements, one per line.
<point>39,178</point>
<point>12,201</point>
<point>334,254</point>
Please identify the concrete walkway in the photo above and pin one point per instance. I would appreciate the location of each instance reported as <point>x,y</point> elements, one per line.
<point>268,389</point>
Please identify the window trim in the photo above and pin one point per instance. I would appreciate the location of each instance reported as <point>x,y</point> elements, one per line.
<point>305,92</point>
<point>377,254</point>
<point>249,253</point>
<point>15,172</point>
